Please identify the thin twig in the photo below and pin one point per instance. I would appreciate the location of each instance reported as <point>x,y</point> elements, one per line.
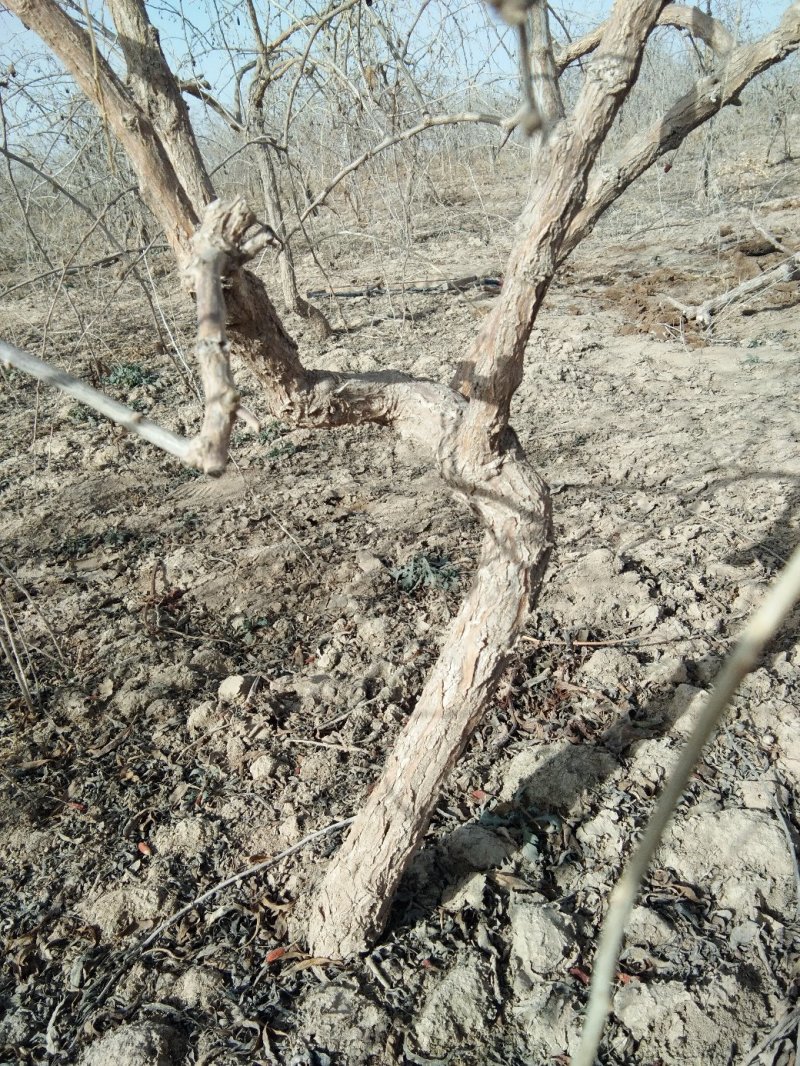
<point>762,627</point>
<point>776,806</point>
<point>323,744</point>
<point>240,876</point>
<point>396,138</point>
<point>781,1029</point>
<point>759,227</point>
<point>11,652</point>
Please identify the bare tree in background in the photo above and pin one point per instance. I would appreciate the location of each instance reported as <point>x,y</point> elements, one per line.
<point>464,428</point>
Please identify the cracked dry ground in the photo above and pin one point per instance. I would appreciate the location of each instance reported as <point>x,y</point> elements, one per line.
<point>146,771</point>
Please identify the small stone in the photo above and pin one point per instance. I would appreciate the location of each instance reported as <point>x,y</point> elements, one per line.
<point>467,893</point>
<point>263,768</point>
<point>235,687</point>
<point>367,561</point>
<point>540,938</point>
<point>136,1045</point>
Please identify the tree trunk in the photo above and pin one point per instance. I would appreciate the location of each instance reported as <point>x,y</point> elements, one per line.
<point>155,90</point>
<point>293,301</point>
<point>351,906</point>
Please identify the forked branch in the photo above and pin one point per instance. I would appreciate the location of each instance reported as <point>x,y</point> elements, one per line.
<point>703,314</point>
<point>705,99</point>
<point>220,247</point>
<point>682,16</point>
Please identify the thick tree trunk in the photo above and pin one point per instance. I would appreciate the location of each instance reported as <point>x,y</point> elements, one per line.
<point>477,454</point>
<point>351,906</point>
<point>479,459</point>
<point>155,90</point>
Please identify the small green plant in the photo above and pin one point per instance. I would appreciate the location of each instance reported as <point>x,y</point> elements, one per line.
<point>130,375</point>
<point>271,432</point>
<point>426,571</point>
<point>186,473</point>
<point>80,414</point>
<point>78,545</point>
<point>75,546</point>
<point>281,451</point>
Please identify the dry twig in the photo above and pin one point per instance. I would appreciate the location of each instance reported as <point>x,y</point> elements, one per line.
<point>758,632</point>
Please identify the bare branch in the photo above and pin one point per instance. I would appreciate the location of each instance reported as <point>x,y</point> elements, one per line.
<point>76,268</point>
<point>778,245</point>
<point>704,313</point>
<point>158,183</point>
<point>691,19</point>
<point>429,122</point>
<point>706,97</point>
<point>760,630</point>
<point>323,19</point>
<point>124,416</point>
<point>200,89</point>
<point>492,370</point>
<point>219,247</point>
<point>543,67</point>
<point>156,91</point>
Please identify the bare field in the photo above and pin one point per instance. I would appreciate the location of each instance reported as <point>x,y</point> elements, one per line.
<point>218,668</point>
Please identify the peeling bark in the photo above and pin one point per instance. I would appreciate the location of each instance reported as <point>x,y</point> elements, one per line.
<point>156,92</point>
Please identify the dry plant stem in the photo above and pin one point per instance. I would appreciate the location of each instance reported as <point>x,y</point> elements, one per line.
<point>705,312</point>
<point>543,67</point>
<point>759,227</point>
<point>96,1000</point>
<point>35,607</point>
<point>219,242</point>
<point>492,370</point>
<point>249,871</point>
<point>429,122</point>
<point>759,631</point>
<point>129,419</point>
<point>9,647</point>
<point>781,1029</point>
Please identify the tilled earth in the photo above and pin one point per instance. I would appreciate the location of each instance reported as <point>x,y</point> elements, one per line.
<point>216,669</point>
